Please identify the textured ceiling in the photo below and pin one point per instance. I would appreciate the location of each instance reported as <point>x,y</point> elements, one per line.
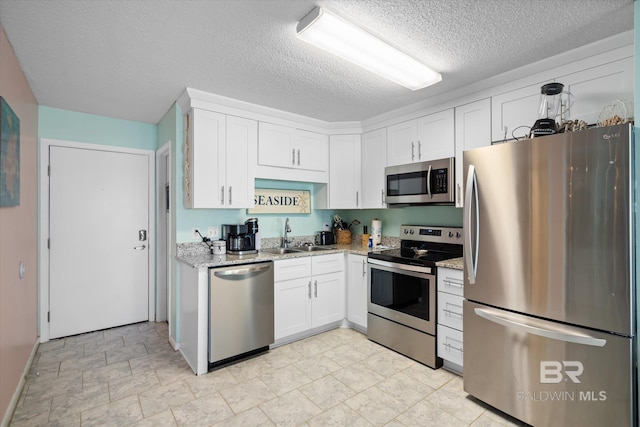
<point>132,59</point>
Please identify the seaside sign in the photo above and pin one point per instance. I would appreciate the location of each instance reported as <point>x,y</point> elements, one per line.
<point>269,200</point>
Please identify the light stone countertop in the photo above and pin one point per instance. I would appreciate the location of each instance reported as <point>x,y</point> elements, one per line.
<point>206,260</point>
<point>455,263</point>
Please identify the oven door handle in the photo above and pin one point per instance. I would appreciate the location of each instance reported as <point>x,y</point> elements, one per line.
<point>471,252</point>
<point>400,267</point>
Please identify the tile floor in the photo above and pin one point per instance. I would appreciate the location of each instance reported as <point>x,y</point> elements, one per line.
<point>131,376</point>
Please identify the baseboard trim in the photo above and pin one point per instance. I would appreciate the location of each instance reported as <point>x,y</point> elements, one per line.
<point>18,391</point>
<point>174,344</point>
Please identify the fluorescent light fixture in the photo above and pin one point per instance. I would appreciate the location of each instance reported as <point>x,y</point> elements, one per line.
<point>334,34</point>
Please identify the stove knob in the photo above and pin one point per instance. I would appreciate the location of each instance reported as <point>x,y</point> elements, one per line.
<point>451,234</point>
<point>458,234</point>
<point>410,231</point>
<point>406,231</point>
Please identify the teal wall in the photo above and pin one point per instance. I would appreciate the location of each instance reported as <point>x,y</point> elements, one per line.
<point>55,123</point>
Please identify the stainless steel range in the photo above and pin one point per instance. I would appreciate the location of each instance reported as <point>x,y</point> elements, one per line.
<point>402,291</point>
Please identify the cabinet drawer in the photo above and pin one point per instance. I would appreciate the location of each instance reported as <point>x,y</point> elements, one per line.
<point>294,268</point>
<point>323,264</point>
<point>450,344</point>
<point>451,281</point>
<point>450,310</point>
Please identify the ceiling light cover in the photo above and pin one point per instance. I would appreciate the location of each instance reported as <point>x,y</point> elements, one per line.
<point>342,38</point>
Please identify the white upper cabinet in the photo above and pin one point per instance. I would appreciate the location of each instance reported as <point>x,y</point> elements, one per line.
<point>436,138</point>
<point>473,130</point>
<point>401,143</point>
<point>513,113</point>
<point>596,87</point>
<point>214,141</point>
<point>374,160</point>
<point>344,172</point>
<point>283,149</point>
<point>427,138</point>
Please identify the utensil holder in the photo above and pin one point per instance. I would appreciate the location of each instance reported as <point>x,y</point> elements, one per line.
<point>343,237</point>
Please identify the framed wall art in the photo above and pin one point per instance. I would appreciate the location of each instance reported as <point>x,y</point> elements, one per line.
<point>9,156</point>
<point>281,201</point>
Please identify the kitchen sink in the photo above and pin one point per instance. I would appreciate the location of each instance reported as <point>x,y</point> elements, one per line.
<point>296,249</point>
<point>280,251</point>
<point>312,248</point>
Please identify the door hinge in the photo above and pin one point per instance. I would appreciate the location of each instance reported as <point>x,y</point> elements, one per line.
<point>48,317</point>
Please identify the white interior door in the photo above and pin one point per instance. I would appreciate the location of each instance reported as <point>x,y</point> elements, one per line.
<point>98,275</point>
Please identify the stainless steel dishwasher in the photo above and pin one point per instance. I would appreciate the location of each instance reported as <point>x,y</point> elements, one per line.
<point>240,312</point>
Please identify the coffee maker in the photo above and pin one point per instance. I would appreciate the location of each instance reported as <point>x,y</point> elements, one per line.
<point>241,238</point>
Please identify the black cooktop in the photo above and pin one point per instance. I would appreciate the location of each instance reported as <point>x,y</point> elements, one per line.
<point>427,246</point>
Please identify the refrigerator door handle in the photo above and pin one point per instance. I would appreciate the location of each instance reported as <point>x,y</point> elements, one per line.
<point>429,183</point>
<point>537,328</point>
<point>471,253</point>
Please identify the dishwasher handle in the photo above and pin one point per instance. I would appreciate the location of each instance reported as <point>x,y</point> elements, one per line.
<point>242,272</point>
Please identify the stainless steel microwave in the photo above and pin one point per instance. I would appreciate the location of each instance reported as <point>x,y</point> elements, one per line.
<point>421,183</point>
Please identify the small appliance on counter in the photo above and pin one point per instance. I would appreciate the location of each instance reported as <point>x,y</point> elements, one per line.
<point>325,238</point>
<point>241,238</point>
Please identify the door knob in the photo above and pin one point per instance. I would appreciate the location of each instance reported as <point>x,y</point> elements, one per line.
<point>139,248</point>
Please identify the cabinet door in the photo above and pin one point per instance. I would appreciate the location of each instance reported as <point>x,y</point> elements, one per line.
<point>242,136</point>
<point>311,150</point>
<point>357,282</point>
<point>292,307</point>
<point>328,299</point>
<point>513,113</point>
<point>374,160</point>
<point>596,87</point>
<point>473,130</point>
<point>436,136</point>
<point>275,146</point>
<point>344,172</point>
<point>206,161</point>
<point>323,264</point>
<point>401,143</point>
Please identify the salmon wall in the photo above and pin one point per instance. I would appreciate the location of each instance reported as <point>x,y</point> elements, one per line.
<point>18,236</point>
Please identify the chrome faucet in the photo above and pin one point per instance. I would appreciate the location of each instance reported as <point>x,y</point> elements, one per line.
<point>287,229</point>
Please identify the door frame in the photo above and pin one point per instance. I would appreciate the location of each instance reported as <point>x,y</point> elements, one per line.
<point>164,270</point>
<point>43,234</point>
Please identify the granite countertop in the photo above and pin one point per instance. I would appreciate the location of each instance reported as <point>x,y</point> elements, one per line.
<point>206,260</point>
<point>455,263</point>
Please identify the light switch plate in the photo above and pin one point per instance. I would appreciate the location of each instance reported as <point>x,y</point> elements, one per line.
<point>212,232</point>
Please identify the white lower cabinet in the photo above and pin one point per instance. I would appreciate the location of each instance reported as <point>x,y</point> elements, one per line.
<point>449,331</point>
<point>357,282</point>
<point>309,293</point>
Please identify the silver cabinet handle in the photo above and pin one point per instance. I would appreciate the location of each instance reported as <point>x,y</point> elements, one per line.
<point>309,287</point>
<point>382,197</point>
<point>316,285</point>
<point>429,183</point>
<point>139,248</point>
<point>293,156</point>
<point>230,195</point>
<point>419,150</point>
<point>298,157</point>
<point>471,255</point>
<point>357,198</point>
<point>451,312</point>
<point>412,156</point>
<point>453,282</point>
<point>364,268</point>
<point>222,195</point>
<point>536,327</point>
<point>449,347</point>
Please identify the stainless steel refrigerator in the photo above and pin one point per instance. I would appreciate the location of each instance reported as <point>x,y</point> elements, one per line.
<point>549,310</point>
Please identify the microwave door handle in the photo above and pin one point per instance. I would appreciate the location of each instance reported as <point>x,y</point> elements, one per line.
<point>429,183</point>
<point>470,252</point>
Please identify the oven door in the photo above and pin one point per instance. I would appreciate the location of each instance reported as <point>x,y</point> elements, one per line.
<point>405,294</point>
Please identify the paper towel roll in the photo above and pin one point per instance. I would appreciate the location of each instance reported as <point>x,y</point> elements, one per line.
<point>376,232</point>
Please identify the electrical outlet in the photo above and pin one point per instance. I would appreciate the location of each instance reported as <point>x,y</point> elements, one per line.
<point>212,232</point>
<point>194,233</point>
